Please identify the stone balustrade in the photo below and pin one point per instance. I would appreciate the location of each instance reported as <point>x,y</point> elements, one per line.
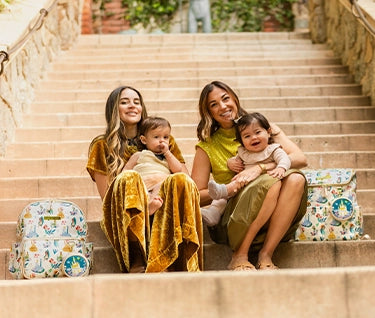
<point>333,21</point>
<point>28,64</point>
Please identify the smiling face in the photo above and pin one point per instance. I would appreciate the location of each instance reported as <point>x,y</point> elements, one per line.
<point>157,139</point>
<point>254,137</point>
<point>222,107</point>
<point>130,107</point>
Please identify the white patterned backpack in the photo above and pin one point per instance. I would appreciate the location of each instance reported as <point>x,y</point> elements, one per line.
<point>332,212</point>
<point>52,241</point>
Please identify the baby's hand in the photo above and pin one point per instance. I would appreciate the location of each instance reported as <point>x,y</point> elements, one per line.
<point>235,164</point>
<point>164,147</point>
<point>277,173</point>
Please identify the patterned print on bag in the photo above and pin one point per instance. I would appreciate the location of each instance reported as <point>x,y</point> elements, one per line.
<point>332,209</point>
<point>49,231</point>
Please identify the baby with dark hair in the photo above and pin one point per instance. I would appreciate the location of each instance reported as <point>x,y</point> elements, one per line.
<point>253,131</point>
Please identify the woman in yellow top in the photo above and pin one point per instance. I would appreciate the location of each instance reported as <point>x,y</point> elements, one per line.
<point>174,241</point>
<point>244,223</point>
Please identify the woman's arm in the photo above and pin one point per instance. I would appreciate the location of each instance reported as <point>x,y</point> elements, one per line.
<point>201,174</point>
<point>297,157</point>
<point>101,181</point>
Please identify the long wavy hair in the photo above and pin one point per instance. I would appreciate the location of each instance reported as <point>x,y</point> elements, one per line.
<point>115,135</point>
<point>207,124</point>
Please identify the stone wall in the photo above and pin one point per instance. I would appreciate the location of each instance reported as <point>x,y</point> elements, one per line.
<point>332,21</point>
<point>27,66</point>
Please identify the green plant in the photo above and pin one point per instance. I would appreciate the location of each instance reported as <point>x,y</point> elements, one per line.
<point>248,15</point>
<point>281,10</point>
<point>235,15</point>
<point>226,15</point>
<point>151,14</point>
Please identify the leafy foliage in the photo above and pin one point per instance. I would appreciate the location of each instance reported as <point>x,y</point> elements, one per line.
<point>248,15</point>
<point>226,15</point>
<point>151,14</point>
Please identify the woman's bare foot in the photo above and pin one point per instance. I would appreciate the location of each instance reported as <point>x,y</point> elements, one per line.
<point>155,204</point>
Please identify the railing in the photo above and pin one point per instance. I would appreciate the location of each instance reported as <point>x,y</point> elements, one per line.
<point>4,56</point>
<point>358,13</point>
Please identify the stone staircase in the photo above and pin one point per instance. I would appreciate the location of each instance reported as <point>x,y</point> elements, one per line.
<point>301,86</point>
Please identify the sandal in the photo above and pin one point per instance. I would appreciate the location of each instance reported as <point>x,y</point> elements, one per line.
<point>268,266</point>
<point>240,264</point>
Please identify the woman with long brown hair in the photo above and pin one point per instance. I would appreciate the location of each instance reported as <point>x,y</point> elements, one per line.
<point>174,240</point>
<point>245,223</point>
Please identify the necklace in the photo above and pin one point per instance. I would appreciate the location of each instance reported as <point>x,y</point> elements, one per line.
<point>132,141</point>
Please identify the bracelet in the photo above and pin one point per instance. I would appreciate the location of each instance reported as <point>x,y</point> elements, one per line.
<point>262,166</point>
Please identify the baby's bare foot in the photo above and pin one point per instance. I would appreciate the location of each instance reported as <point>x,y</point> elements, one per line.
<point>155,204</point>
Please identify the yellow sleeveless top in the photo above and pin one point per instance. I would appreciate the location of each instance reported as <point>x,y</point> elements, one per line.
<point>221,146</point>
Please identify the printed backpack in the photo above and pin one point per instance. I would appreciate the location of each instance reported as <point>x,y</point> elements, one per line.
<point>332,212</point>
<point>52,241</point>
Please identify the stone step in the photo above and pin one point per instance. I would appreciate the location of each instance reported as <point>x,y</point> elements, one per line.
<point>68,119</point>
<point>55,152</point>
<point>86,62</point>
<point>204,295</point>
<point>102,40</point>
<point>189,104</point>
<point>177,82</point>
<point>254,46</point>
<point>291,254</point>
<point>172,93</point>
<point>52,134</point>
<point>217,54</point>
<point>81,185</point>
<point>122,73</point>
<point>185,41</point>
<point>196,63</point>
<point>97,237</point>
<point>11,207</point>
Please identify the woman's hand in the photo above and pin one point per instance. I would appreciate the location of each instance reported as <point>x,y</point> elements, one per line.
<point>246,176</point>
<point>235,164</point>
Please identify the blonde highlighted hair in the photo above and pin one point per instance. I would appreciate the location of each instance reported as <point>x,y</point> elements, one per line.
<point>115,135</point>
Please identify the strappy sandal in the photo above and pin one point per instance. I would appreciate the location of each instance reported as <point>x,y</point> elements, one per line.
<point>268,266</point>
<point>240,265</point>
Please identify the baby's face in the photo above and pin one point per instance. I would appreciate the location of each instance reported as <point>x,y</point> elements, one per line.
<point>254,137</point>
<point>157,140</point>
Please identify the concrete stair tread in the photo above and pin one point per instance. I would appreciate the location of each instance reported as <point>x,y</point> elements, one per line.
<point>205,295</point>
<point>12,207</point>
<point>96,235</point>
<point>256,91</point>
<point>191,116</point>
<point>246,62</point>
<point>301,79</point>
<point>289,255</point>
<point>55,152</point>
<point>329,159</point>
<point>50,134</point>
